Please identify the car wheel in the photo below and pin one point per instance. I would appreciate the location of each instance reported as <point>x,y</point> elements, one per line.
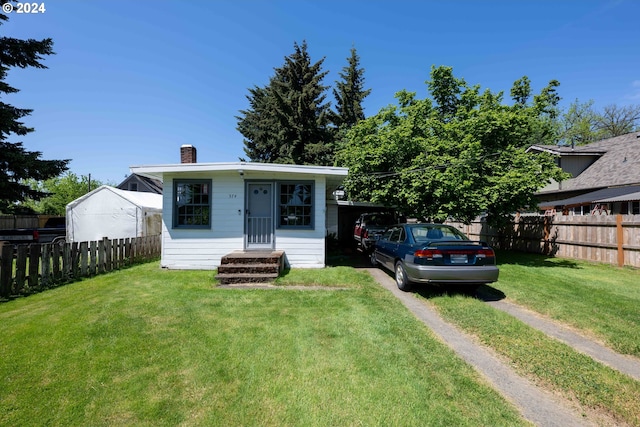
<point>59,239</point>
<point>401,278</point>
<point>373,259</point>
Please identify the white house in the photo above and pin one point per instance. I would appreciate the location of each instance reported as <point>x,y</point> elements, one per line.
<point>213,209</point>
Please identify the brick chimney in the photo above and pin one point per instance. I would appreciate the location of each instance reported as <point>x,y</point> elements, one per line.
<point>187,154</point>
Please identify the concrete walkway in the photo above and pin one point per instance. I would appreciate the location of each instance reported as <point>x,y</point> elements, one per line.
<point>536,405</point>
<point>626,364</point>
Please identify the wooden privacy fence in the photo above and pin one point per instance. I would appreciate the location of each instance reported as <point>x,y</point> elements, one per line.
<point>10,222</point>
<point>32,267</point>
<point>613,239</point>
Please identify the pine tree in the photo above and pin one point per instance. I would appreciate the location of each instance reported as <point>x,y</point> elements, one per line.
<point>350,93</point>
<point>259,126</point>
<point>16,163</point>
<point>288,121</point>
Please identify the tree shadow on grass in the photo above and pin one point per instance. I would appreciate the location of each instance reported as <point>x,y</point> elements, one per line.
<point>533,260</point>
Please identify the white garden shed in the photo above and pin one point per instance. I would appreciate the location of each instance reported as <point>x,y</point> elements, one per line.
<point>113,213</point>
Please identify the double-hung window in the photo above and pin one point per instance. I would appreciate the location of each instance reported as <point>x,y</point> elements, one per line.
<point>192,203</point>
<point>295,204</point>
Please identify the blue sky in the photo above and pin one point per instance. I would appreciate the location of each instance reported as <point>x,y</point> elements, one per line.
<point>132,81</point>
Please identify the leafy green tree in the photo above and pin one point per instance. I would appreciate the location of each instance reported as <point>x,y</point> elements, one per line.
<point>349,93</point>
<point>60,191</point>
<point>288,121</point>
<point>579,124</point>
<point>16,163</point>
<point>521,91</point>
<point>460,155</point>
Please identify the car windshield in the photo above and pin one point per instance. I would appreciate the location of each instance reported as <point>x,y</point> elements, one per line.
<point>379,219</point>
<point>430,232</point>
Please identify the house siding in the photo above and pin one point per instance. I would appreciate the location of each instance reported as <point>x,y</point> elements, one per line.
<point>202,249</point>
<point>304,248</point>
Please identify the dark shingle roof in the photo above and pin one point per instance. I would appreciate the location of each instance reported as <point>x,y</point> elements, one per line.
<point>153,185</point>
<point>618,164</point>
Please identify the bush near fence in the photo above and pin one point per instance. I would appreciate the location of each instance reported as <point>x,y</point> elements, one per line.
<point>31,268</point>
<point>613,239</point>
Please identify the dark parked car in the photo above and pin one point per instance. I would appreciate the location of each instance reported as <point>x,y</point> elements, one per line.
<point>369,226</point>
<point>434,253</point>
<point>53,231</point>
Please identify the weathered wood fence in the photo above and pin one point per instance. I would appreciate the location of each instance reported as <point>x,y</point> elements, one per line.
<point>33,267</point>
<point>613,239</point>
<point>10,222</point>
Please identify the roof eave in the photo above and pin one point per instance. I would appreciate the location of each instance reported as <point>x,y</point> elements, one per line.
<point>158,171</point>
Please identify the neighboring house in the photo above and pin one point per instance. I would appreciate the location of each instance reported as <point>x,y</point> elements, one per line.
<point>213,209</point>
<point>113,213</point>
<point>605,177</point>
<point>135,182</point>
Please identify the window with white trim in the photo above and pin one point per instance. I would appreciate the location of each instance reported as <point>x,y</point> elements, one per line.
<point>192,203</point>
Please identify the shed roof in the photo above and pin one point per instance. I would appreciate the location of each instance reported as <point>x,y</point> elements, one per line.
<point>140,199</point>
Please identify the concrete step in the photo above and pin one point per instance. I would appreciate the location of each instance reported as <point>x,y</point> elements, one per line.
<point>248,268</point>
<point>232,278</point>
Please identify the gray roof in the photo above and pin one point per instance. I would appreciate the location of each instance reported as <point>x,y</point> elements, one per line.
<point>629,197</point>
<point>153,185</point>
<point>605,195</point>
<point>618,164</point>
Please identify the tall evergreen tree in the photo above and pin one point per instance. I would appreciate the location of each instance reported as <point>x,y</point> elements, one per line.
<point>259,126</point>
<point>288,120</point>
<point>16,163</point>
<point>349,93</point>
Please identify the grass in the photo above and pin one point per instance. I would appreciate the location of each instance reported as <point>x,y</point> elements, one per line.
<point>145,346</point>
<point>546,361</point>
<point>599,299</point>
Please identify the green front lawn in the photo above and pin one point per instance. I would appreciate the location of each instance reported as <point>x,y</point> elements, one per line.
<point>600,300</point>
<point>145,346</point>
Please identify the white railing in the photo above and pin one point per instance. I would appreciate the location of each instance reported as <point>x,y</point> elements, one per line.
<point>259,230</point>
